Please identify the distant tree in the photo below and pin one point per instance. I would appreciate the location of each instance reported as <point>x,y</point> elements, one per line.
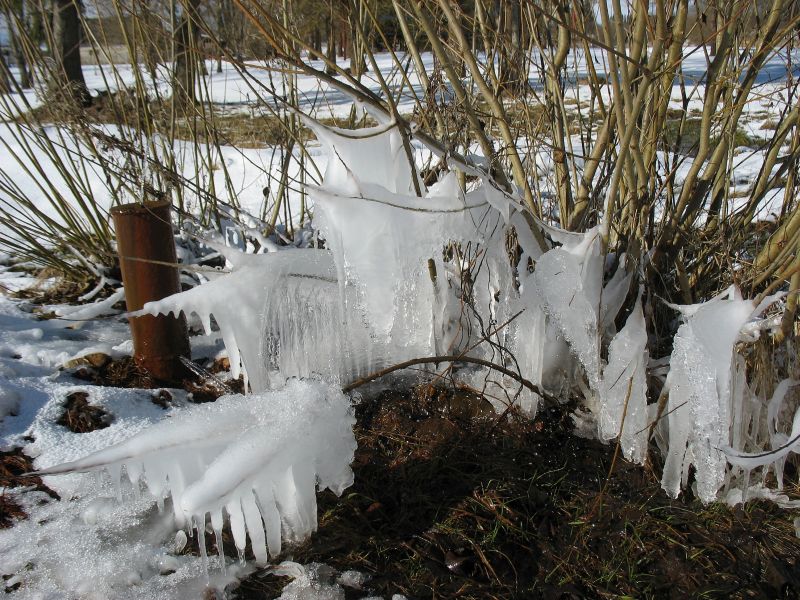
<point>66,46</point>
<point>5,75</point>
<point>331,33</point>
<point>15,14</point>
<point>186,54</point>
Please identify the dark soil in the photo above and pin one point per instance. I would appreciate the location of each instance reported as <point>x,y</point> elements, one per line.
<point>81,417</point>
<point>451,501</point>
<point>122,372</point>
<point>14,464</point>
<point>207,386</point>
<point>125,373</point>
<point>162,398</point>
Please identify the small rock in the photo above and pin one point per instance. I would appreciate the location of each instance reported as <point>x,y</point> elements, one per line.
<point>93,359</point>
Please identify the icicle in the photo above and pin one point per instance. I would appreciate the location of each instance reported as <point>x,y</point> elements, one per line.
<point>134,470</point>
<point>306,498</point>
<point>561,281</point>
<point>776,403</point>
<point>200,525</point>
<point>115,471</point>
<point>216,525</point>
<point>255,528</point>
<point>272,519</point>
<point>286,499</point>
<point>699,385</point>
<point>234,510</point>
<point>758,459</point>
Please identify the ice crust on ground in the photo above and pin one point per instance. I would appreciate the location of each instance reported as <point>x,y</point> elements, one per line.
<point>259,458</point>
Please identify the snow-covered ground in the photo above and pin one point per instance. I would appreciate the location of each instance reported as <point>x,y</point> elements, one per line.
<point>87,545</point>
<point>102,540</point>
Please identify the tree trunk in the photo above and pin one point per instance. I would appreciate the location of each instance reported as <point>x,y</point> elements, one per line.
<point>510,27</point>
<point>222,33</point>
<point>331,50</point>
<point>67,48</point>
<point>15,24</point>
<point>186,59</point>
<point>5,75</point>
<point>358,64</point>
<point>316,40</point>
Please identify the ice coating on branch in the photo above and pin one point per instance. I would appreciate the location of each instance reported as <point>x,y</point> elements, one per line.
<point>700,393</point>
<point>781,444</point>
<point>259,458</point>
<point>623,390</point>
<point>785,445</point>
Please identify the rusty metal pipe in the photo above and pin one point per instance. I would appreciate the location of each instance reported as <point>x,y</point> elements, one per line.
<point>148,261</point>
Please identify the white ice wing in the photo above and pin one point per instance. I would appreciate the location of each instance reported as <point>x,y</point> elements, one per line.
<point>625,382</point>
<point>371,155</point>
<point>243,301</point>
<point>236,469</point>
<point>260,457</point>
<point>559,280</point>
<point>203,425</point>
<point>700,401</point>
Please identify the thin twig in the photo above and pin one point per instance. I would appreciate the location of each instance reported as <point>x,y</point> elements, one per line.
<point>452,358</point>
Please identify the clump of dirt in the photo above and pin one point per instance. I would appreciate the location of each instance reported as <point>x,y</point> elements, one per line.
<point>125,373</point>
<point>14,464</point>
<point>10,511</point>
<point>81,417</point>
<point>162,399</point>
<point>120,372</point>
<point>203,391</point>
<point>207,386</point>
<point>451,500</point>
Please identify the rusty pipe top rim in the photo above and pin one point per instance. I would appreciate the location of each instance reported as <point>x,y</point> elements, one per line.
<point>144,207</point>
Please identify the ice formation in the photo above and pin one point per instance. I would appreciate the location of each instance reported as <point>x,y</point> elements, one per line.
<point>623,390</point>
<point>277,312</point>
<point>569,279</point>
<point>780,444</point>
<point>407,276</point>
<point>701,387</point>
<point>257,459</point>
